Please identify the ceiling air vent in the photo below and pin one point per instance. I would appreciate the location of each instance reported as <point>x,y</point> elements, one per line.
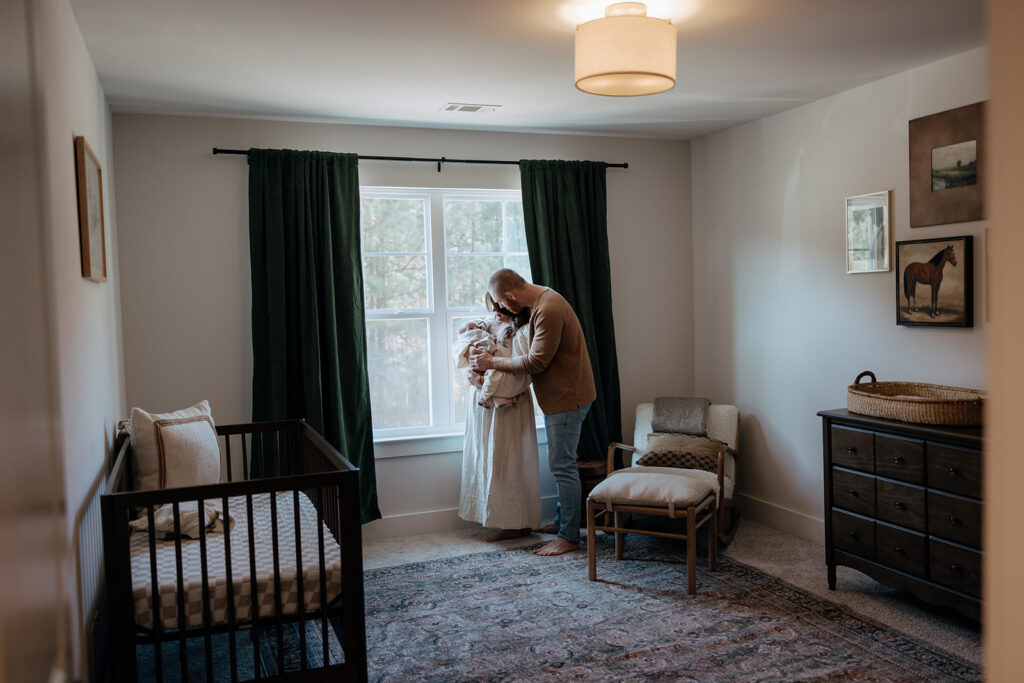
<point>470,108</point>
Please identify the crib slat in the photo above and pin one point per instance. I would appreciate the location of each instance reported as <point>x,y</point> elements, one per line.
<point>254,608</point>
<point>158,631</point>
<point>323,573</point>
<point>227,453</point>
<point>232,626</point>
<point>277,454</point>
<point>180,593</point>
<point>207,643</point>
<point>246,464</point>
<point>299,577</point>
<point>277,584</point>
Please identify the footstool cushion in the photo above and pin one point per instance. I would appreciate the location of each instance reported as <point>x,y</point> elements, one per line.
<point>666,487</point>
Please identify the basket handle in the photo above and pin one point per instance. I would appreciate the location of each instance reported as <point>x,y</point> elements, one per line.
<point>866,373</point>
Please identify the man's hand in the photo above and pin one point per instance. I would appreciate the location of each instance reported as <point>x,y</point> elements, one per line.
<point>476,379</point>
<point>480,360</point>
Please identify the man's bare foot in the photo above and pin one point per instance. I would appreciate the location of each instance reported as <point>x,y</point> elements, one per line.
<point>548,528</point>
<point>506,534</point>
<point>559,546</point>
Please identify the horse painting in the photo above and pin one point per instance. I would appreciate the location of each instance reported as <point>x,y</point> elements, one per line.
<point>928,274</point>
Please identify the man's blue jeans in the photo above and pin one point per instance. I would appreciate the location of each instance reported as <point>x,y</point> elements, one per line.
<point>563,433</point>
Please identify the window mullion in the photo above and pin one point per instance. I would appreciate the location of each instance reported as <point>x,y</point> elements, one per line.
<point>440,347</point>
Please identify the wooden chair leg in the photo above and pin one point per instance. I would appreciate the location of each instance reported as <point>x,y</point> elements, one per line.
<point>712,544</point>
<point>619,536</point>
<point>591,545</point>
<point>691,551</point>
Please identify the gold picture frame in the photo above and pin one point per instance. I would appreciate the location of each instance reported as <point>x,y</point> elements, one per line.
<point>91,229</point>
<point>947,180</point>
<point>868,236</point>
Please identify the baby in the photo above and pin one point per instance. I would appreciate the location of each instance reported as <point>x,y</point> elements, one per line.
<point>486,334</point>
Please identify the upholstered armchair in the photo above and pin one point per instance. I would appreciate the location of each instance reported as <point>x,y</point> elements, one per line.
<point>686,477</point>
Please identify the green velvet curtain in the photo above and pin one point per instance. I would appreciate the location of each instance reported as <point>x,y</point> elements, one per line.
<point>564,205</point>
<point>308,331</point>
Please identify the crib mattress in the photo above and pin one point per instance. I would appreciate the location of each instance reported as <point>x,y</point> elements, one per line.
<point>242,579</point>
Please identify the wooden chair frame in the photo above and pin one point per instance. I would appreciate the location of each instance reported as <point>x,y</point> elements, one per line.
<point>696,516</point>
<point>725,533</point>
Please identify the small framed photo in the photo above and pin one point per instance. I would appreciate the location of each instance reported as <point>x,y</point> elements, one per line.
<point>935,282</point>
<point>90,212</point>
<point>867,233</point>
<point>947,152</point>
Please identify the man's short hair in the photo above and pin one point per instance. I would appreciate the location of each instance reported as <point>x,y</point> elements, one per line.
<point>505,280</point>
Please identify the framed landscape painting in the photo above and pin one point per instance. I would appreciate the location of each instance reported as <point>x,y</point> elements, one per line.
<point>90,212</point>
<point>867,233</point>
<point>935,282</point>
<point>947,167</point>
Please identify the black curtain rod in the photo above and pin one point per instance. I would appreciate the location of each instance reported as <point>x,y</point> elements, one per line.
<point>442,160</point>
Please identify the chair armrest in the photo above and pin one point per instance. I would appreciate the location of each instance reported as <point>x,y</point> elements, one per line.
<point>616,446</point>
<point>722,450</point>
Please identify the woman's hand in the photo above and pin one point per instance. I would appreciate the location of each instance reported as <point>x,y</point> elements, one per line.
<point>475,378</point>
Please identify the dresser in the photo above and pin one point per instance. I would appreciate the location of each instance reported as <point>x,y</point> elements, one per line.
<point>903,505</point>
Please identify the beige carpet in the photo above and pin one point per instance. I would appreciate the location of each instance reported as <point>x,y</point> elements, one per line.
<point>795,560</point>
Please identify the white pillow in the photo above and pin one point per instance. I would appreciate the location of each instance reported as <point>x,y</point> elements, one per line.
<point>175,449</point>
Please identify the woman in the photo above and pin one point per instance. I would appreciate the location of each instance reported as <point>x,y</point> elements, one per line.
<point>500,481</point>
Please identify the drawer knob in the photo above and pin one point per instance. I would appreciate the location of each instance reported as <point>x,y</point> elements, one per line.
<point>899,549</point>
<point>953,519</point>
<point>851,534</point>
<point>851,450</point>
<point>900,505</point>
<point>953,472</point>
<point>853,492</point>
<point>954,567</point>
<point>898,459</point>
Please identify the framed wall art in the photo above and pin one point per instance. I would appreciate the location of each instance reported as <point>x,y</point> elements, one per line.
<point>867,233</point>
<point>935,282</point>
<point>947,180</point>
<point>90,212</point>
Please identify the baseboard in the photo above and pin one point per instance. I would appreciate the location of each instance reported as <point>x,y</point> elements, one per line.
<point>790,521</point>
<point>431,522</point>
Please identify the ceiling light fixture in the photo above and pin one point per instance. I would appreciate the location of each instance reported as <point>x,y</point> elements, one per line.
<point>626,53</point>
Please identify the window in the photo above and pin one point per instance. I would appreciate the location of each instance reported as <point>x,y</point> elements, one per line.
<point>427,255</point>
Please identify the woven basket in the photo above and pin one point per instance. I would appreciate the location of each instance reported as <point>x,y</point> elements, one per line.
<point>932,404</point>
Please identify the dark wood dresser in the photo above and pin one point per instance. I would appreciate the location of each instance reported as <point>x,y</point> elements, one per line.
<point>903,505</point>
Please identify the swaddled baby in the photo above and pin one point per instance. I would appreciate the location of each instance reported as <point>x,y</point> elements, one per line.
<point>488,334</point>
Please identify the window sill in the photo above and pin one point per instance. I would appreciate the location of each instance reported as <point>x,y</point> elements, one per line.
<point>427,444</point>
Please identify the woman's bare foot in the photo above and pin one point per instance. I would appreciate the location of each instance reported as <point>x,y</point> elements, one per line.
<point>559,546</point>
<point>551,528</point>
<point>506,534</point>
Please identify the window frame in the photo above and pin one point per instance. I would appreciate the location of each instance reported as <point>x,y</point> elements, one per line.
<point>439,315</point>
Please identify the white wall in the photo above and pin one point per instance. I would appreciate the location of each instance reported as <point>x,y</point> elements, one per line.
<point>780,328</point>
<point>85,315</point>
<point>183,240</point>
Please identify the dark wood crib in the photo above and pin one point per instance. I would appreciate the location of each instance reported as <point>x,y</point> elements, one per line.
<point>266,600</point>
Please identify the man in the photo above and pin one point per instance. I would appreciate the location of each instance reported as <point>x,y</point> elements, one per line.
<point>563,382</point>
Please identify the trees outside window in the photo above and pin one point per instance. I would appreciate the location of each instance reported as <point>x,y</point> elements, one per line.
<point>427,255</point>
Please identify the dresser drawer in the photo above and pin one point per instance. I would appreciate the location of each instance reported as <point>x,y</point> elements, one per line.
<point>955,567</point>
<point>853,534</point>
<point>954,518</point>
<point>853,491</point>
<point>902,504</point>
<point>899,458</point>
<point>957,470</point>
<point>900,549</point>
<point>853,448</point>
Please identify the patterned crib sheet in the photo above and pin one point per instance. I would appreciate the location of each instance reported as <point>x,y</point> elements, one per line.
<point>217,580</point>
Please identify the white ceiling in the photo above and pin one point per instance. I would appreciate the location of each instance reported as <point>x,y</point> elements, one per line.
<point>396,62</point>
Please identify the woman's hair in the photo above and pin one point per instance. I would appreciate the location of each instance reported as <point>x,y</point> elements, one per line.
<point>517,319</point>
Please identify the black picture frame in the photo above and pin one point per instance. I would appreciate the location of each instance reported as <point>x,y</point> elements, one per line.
<point>949,263</point>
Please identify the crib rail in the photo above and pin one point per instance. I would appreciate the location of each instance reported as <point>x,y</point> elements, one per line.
<point>284,464</point>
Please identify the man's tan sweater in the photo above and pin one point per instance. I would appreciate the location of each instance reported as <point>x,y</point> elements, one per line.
<point>558,360</point>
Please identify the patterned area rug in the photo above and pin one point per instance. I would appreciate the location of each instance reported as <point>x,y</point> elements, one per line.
<point>511,615</point>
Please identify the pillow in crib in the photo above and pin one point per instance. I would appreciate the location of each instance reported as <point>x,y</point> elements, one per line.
<point>681,450</point>
<point>175,449</point>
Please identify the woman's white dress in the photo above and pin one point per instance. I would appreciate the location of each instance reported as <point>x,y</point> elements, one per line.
<point>500,478</point>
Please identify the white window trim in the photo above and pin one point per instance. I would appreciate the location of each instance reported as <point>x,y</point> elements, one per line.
<point>445,433</point>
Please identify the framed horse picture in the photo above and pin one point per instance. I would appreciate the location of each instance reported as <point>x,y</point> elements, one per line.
<point>935,282</point>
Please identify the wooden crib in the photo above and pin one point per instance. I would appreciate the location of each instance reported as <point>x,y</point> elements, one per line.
<point>265,600</point>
